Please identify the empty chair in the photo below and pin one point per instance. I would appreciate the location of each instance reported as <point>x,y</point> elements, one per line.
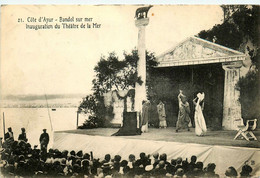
<point>246,131</point>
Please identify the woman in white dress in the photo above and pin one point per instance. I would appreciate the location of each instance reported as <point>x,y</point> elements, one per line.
<point>200,124</point>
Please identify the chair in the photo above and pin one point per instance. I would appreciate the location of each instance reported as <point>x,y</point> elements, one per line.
<point>246,131</point>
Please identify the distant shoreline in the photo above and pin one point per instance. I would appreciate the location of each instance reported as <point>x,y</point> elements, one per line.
<point>31,97</point>
<point>41,101</point>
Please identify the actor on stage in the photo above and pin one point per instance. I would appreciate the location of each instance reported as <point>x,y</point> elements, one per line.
<point>200,124</point>
<point>184,111</point>
<point>162,115</point>
<point>145,116</point>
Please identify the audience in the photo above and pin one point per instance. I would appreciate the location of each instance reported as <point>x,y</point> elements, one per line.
<point>18,158</point>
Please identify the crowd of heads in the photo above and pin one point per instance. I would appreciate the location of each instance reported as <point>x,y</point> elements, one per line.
<point>20,159</point>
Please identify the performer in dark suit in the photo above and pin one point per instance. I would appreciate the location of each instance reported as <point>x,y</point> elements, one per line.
<point>44,140</point>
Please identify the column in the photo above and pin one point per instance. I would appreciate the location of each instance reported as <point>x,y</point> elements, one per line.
<point>140,90</point>
<point>231,106</point>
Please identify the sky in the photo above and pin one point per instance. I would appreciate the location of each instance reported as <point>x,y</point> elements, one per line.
<point>61,61</point>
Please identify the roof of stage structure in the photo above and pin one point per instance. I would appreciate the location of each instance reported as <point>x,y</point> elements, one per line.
<point>195,51</point>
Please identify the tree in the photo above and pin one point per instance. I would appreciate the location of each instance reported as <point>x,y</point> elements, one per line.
<point>113,74</point>
<point>240,31</point>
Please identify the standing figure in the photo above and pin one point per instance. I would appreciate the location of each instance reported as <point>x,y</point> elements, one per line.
<point>200,124</point>
<point>184,111</point>
<point>44,140</point>
<point>9,136</point>
<point>22,136</point>
<point>145,116</point>
<point>162,115</point>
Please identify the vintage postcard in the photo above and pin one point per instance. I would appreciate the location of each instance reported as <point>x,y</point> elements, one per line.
<point>129,90</point>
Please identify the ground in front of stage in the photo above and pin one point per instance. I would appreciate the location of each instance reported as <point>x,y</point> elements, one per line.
<point>224,138</point>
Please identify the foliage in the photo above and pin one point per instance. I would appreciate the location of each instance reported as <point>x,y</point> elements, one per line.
<point>240,26</point>
<point>240,31</point>
<point>249,91</point>
<point>112,74</point>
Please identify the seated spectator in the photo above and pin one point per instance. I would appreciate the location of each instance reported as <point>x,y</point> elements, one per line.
<point>155,160</point>
<point>79,154</point>
<point>145,160</point>
<point>85,167</point>
<point>178,163</point>
<point>179,173</point>
<point>18,159</point>
<point>246,170</point>
<point>106,159</point>
<point>185,165</point>
<point>192,163</point>
<point>86,156</point>
<point>210,170</point>
<point>231,172</point>
<point>131,160</point>
<point>163,157</point>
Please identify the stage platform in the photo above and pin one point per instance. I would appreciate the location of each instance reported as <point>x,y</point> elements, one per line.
<point>215,147</point>
<point>211,138</point>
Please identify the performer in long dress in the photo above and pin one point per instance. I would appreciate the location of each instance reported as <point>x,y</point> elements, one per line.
<point>200,124</point>
<point>162,115</point>
<point>145,116</point>
<point>184,111</point>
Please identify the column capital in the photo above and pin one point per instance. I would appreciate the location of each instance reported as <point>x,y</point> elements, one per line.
<point>232,65</point>
<point>142,22</point>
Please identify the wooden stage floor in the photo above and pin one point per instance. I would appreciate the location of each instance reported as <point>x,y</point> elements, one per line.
<point>224,138</point>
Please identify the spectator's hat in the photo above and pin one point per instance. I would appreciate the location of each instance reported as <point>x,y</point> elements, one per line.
<point>39,173</point>
<point>179,160</point>
<point>117,158</point>
<point>173,162</point>
<point>179,172</point>
<point>163,157</point>
<point>149,168</point>
<point>86,156</point>
<point>79,153</point>
<point>247,168</point>
<point>161,164</point>
<point>156,155</point>
<point>124,163</point>
<point>44,129</point>
<point>211,167</point>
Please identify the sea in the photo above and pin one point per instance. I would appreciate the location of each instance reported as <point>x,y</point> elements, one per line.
<point>34,120</point>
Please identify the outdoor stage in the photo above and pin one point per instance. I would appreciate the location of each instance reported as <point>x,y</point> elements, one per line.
<point>217,146</point>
